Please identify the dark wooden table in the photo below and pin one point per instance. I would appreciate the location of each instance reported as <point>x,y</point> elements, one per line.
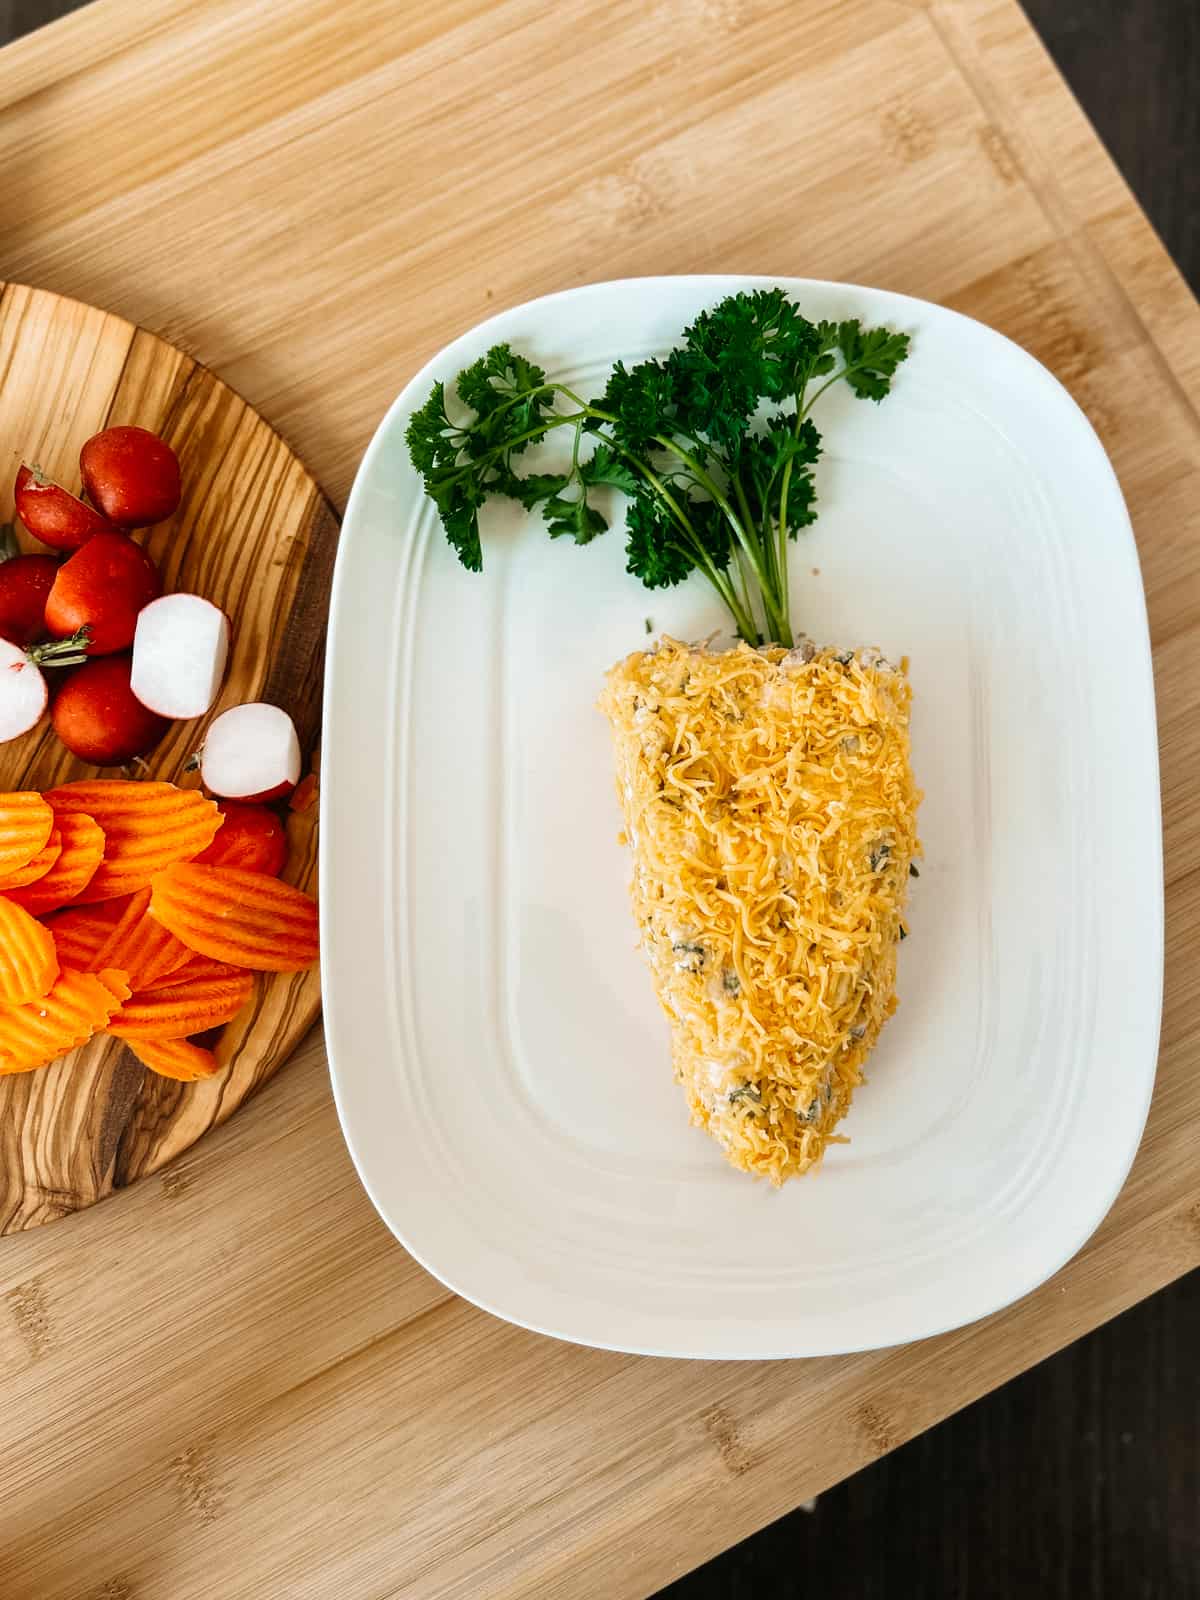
<point>1080,1480</point>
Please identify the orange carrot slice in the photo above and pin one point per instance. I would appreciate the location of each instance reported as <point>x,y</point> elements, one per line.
<point>244,918</point>
<point>38,867</point>
<point>79,931</point>
<point>175,1010</point>
<point>116,982</point>
<point>146,827</point>
<point>26,821</point>
<point>28,956</point>
<point>77,1005</point>
<point>140,946</point>
<point>194,967</point>
<point>82,850</point>
<point>175,1058</point>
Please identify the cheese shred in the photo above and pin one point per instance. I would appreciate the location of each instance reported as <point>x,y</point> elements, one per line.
<point>770,808</point>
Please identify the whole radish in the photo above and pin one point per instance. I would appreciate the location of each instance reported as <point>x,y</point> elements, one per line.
<point>57,518</point>
<point>250,837</point>
<point>102,588</point>
<point>100,719</point>
<point>131,475</point>
<point>25,584</point>
<point>251,753</point>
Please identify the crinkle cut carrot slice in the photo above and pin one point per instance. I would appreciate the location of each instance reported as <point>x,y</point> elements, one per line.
<point>78,1005</point>
<point>82,850</point>
<point>175,1058</point>
<point>80,931</point>
<point>245,918</point>
<point>141,946</point>
<point>147,826</point>
<point>26,821</point>
<point>176,1010</point>
<point>38,867</point>
<point>28,956</point>
<point>193,968</point>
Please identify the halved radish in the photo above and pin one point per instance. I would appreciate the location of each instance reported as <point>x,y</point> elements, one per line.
<point>22,692</point>
<point>251,752</point>
<point>57,518</point>
<point>180,648</point>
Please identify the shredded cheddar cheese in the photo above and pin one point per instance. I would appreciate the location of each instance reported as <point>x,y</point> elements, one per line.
<point>770,808</point>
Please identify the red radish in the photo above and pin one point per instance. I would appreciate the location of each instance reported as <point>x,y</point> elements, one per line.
<point>25,584</point>
<point>180,648</point>
<point>132,475</point>
<point>251,753</point>
<point>102,588</point>
<point>251,837</point>
<point>57,518</point>
<point>22,692</point>
<point>98,717</point>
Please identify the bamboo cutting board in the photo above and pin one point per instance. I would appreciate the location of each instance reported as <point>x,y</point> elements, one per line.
<point>253,534</point>
<point>231,1380</point>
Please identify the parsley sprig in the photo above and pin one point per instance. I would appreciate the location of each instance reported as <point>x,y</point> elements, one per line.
<point>714,447</point>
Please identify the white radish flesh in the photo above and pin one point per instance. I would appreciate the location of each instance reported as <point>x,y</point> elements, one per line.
<point>22,692</point>
<point>180,648</point>
<point>251,752</point>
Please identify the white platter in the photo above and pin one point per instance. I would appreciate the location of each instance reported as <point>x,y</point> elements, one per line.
<point>500,1065</point>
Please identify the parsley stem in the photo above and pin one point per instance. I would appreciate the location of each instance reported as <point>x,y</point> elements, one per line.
<point>743,535</point>
<point>774,587</point>
<point>739,566</point>
<point>743,618</point>
<point>740,610</point>
<point>842,372</point>
<point>829,382</point>
<point>713,488</point>
<point>506,446</point>
<point>739,495</point>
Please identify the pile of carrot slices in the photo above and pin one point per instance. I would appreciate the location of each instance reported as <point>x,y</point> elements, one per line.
<point>121,913</point>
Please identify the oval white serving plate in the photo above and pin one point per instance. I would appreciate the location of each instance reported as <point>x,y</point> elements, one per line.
<point>500,1064</point>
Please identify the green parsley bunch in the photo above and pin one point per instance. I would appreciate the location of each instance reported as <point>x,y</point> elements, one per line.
<point>713,446</point>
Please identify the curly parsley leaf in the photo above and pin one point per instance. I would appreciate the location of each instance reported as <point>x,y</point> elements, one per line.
<point>433,442</point>
<point>640,400</point>
<point>787,442</point>
<point>458,506</point>
<point>749,348</point>
<point>871,358</point>
<point>509,396</point>
<point>534,487</point>
<point>606,467</point>
<point>573,519</point>
<point>654,551</point>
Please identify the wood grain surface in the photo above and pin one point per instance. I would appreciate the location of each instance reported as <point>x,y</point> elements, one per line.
<point>255,535</point>
<point>231,1380</point>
